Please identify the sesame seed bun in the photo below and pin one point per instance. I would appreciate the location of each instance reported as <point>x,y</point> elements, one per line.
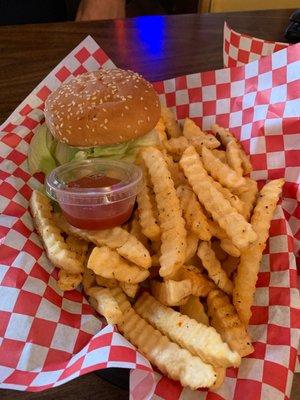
<point>102,108</point>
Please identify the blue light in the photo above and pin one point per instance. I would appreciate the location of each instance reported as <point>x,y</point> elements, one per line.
<point>150,31</point>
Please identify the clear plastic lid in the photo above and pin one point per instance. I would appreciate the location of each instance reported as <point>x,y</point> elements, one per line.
<point>128,177</point>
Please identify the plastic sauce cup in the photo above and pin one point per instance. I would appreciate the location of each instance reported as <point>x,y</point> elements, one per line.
<point>95,194</point>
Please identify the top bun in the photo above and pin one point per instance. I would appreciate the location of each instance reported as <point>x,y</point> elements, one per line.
<point>102,108</point>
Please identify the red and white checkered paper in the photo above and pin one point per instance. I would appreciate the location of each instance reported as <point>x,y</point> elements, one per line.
<point>240,49</point>
<point>48,337</point>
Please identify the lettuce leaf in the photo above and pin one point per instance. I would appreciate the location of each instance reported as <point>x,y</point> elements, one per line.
<point>40,158</point>
<point>45,152</point>
<point>64,153</point>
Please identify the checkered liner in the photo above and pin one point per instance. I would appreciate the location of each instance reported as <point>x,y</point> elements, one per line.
<point>49,337</point>
<point>240,49</point>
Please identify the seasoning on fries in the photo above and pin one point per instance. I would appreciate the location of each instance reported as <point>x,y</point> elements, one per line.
<point>195,242</point>
<point>248,267</point>
<point>199,339</point>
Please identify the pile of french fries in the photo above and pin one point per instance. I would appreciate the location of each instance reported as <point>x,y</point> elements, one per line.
<point>178,279</point>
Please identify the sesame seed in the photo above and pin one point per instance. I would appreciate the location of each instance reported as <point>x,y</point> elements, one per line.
<point>128,126</point>
<point>105,120</point>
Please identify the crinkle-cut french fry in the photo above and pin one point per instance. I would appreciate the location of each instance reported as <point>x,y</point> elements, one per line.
<point>88,279</point>
<point>214,268</point>
<point>77,245</point>
<point>224,134</point>
<point>172,224</point>
<point>170,292</point>
<point>106,282</point>
<point>176,146</point>
<point>230,265</point>
<point>248,197</point>
<point>176,173</point>
<point>221,374</point>
<point>68,281</point>
<point>233,155</point>
<point>168,357</point>
<point>133,250</point>
<point>171,124</point>
<point>196,136</point>
<point>247,166</point>
<point>233,199</point>
<point>117,238</point>
<point>229,247</point>
<point>226,137</point>
<point>199,339</point>
<point>201,286</point>
<point>247,271</point>
<point>220,154</point>
<point>235,225</point>
<point>190,129</point>
<point>225,320</point>
<point>220,171</point>
<point>195,219</point>
<point>105,303</point>
<point>147,211</point>
<point>219,252</point>
<point>191,246</point>
<point>56,248</point>
<point>136,231</point>
<point>160,129</point>
<point>208,141</point>
<point>129,288</point>
<point>194,309</point>
<point>108,263</point>
<point>225,243</point>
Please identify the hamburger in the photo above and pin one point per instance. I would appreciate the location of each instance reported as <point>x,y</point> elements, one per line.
<point>104,113</point>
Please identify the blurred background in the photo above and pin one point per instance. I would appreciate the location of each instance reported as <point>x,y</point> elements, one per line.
<point>37,11</point>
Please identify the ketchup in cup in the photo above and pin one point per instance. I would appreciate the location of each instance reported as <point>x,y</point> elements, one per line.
<point>95,194</point>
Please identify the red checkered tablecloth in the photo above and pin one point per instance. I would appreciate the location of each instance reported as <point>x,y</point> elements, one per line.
<point>48,337</point>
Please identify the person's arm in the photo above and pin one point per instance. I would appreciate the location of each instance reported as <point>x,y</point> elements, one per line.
<point>89,10</point>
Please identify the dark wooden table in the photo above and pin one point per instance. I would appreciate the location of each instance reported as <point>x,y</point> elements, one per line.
<point>158,47</point>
